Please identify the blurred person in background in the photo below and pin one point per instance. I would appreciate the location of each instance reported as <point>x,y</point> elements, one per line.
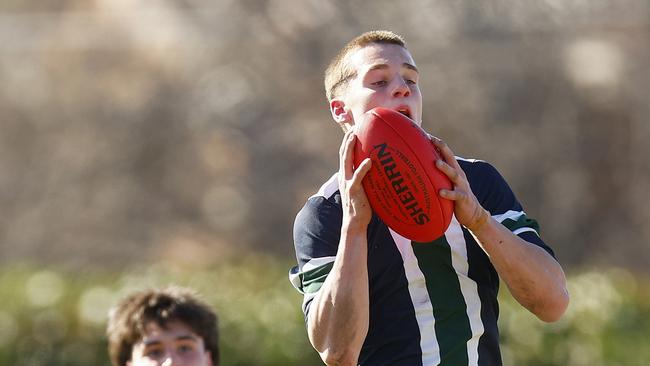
<point>371,296</point>
<point>170,326</point>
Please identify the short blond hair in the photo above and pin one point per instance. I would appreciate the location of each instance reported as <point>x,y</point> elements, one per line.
<point>339,72</point>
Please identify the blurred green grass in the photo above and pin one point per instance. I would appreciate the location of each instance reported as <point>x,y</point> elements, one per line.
<point>607,323</point>
<point>54,316</point>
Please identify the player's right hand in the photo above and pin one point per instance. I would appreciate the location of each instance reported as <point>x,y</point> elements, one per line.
<point>356,208</point>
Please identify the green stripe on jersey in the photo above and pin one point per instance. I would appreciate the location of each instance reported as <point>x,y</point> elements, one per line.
<point>449,306</point>
<point>519,222</point>
<point>312,280</point>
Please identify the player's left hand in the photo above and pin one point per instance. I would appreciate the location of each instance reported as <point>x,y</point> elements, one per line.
<point>467,209</point>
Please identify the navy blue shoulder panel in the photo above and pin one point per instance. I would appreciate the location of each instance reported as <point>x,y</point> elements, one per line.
<point>495,195</point>
<point>317,229</point>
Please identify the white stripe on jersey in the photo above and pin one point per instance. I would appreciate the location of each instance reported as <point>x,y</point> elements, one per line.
<point>469,160</point>
<point>328,188</point>
<point>456,240</point>
<point>421,301</point>
<point>514,215</point>
<point>317,262</point>
<point>523,230</point>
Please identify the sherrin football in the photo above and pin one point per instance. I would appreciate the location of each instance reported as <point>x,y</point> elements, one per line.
<point>403,183</point>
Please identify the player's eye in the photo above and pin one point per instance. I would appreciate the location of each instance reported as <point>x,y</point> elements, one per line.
<point>379,83</point>
<point>154,353</point>
<point>186,348</point>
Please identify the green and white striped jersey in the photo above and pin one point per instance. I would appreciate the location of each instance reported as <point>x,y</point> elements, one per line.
<point>430,303</point>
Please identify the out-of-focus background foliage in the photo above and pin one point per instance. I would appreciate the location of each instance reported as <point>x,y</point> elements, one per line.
<point>152,142</point>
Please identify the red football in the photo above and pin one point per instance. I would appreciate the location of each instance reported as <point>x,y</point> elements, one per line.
<point>403,182</point>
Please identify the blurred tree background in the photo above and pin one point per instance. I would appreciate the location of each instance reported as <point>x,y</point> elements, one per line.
<point>143,143</point>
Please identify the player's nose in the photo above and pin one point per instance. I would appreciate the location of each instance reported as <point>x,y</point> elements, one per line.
<point>401,88</point>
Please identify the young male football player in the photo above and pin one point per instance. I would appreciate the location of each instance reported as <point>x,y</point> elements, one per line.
<point>168,326</point>
<point>373,297</point>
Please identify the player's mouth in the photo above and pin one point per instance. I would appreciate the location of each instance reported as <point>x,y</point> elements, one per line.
<point>405,111</point>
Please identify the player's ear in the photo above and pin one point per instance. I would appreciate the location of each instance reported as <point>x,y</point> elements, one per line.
<point>340,113</point>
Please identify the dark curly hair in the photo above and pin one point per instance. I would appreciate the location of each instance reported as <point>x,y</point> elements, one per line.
<point>127,321</point>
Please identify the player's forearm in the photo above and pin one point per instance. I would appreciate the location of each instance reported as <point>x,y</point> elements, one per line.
<point>338,317</point>
<point>533,276</point>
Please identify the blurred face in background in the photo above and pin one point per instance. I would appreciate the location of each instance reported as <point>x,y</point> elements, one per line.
<point>386,76</point>
<point>176,345</point>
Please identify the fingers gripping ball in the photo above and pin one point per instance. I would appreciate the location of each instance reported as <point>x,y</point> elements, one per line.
<point>403,183</point>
